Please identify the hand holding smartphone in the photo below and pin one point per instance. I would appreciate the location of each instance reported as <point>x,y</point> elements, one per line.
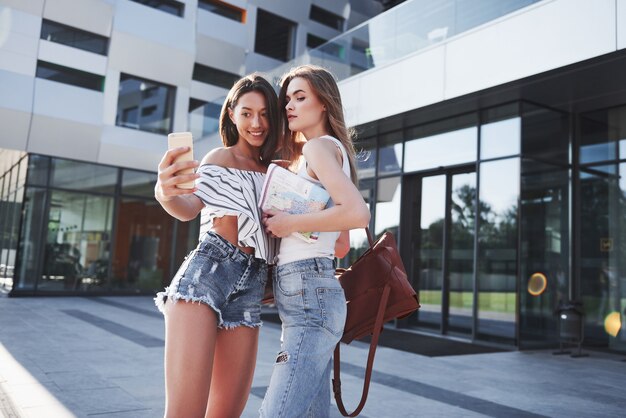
<point>182,139</point>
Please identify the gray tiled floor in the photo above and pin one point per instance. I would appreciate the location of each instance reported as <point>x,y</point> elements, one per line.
<point>63,357</point>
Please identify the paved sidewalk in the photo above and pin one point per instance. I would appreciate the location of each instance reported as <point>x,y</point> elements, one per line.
<point>65,357</point>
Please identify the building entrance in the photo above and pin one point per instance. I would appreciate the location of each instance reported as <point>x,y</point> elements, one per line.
<point>442,248</point>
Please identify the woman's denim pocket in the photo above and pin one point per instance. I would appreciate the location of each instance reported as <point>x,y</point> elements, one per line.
<point>333,309</point>
<point>215,252</point>
<point>290,284</point>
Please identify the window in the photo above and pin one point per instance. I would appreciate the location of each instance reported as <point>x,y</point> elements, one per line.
<point>84,177</point>
<point>145,105</point>
<point>204,116</point>
<point>274,36</point>
<point>223,9</point>
<point>326,18</point>
<point>313,41</point>
<point>70,76</point>
<point>76,38</point>
<point>169,6</point>
<point>214,76</point>
<point>138,183</point>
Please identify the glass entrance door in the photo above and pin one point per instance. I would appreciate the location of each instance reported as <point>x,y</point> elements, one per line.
<point>443,249</point>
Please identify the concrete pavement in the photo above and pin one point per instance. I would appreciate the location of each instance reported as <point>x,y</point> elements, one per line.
<point>83,357</point>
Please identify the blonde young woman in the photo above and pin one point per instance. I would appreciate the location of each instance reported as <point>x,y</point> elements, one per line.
<point>212,307</point>
<point>310,301</point>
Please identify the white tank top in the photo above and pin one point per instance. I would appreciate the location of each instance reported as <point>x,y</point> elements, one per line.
<point>295,249</point>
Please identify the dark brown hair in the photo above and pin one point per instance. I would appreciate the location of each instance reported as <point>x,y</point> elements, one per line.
<point>228,130</point>
<point>326,90</point>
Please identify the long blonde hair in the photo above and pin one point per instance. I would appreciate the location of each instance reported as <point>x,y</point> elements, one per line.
<point>325,88</point>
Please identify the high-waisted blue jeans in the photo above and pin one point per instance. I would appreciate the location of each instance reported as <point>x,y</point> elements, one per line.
<point>312,308</point>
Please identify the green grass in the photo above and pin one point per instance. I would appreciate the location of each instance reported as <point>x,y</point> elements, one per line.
<point>488,301</point>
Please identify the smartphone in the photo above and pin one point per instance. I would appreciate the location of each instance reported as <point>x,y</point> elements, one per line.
<point>182,139</point>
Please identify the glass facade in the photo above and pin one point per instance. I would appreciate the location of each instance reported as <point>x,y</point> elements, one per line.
<point>480,204</point>
<point>601,241</point>
<point>89,229</point>
<point>528,192</point>
<point>11,199</point>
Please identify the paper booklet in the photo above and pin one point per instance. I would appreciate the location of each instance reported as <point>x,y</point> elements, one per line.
<point>287,192</point>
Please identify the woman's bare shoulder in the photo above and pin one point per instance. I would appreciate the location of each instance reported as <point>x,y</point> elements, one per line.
<point>321,146</point>
<point>219,156</point>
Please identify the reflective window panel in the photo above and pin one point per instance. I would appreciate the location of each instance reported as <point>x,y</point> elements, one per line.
<point>138,183</point>
<point>429,270</point>
<point>497,249</point>
<point>390,153</point>
<point>30,248</point>
<point>500,139</point>
<point>78,242</point>
<point>544,250</point>
<point>37,170</point>
<point>68,174</point>
<point>366,157</point>
<point>461,252</point>
<point>440,150</point>
<point>71,76</point>
<point>388,206</point>
<point>74,37</point>
<point>145,105</point>
<point>143,246</point>
<point>602,133</point>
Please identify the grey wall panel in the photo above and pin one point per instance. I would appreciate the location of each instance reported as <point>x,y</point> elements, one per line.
<point>219,54</point>
<point>16,91</point>
<point>59,100</point>
<point>321,30</point>
<point>131,148</point>
<point>621,24</point>
<point>34,7</point>
<point>91,15</point>
<point>207,92</point>
<point>72,57</point>
<point>258,62</point>
<point>111,93</point>
<point>63,138</point>
<point>154,25</point>
<point>296,11</point>
<point>19,37</point>
<point>201,148</point>
<point>340,8</point>
<point>143,58</point>
<point>14,132</point>
<point>219,27</point>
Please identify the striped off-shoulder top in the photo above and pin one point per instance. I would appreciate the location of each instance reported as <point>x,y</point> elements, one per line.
<point>229,191</point>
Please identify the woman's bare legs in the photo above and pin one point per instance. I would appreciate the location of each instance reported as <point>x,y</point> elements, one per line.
<point>190,334</point>
<point>233,370</point>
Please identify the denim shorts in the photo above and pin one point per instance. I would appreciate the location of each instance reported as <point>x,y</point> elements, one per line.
<point>221,276</point>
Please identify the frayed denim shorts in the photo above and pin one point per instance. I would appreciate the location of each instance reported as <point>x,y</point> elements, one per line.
<point>221,276</point>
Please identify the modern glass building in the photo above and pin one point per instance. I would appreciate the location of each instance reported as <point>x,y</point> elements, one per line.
<point>89,90</point>
<point>492,139</point>
<point>495,151</point>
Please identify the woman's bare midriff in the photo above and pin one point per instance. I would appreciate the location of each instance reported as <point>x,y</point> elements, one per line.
<point>227,228</point>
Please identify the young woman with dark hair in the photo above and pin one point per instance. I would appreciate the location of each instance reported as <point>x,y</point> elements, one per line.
<point>212,306</point>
